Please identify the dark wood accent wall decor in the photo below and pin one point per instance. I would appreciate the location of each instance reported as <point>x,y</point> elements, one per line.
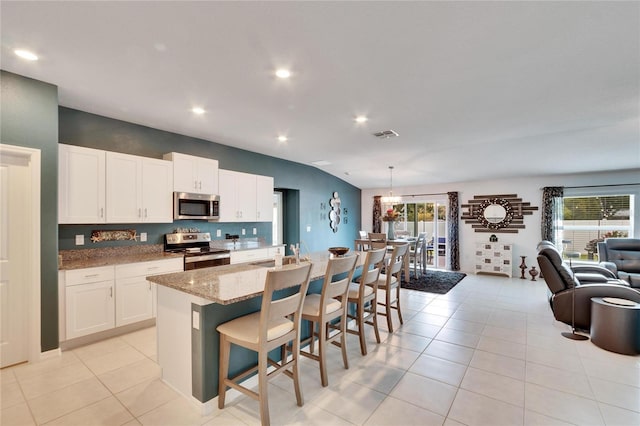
<point>514,211</point>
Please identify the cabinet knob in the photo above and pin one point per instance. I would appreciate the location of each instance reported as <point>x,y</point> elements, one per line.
<point>139,212</point>
<point>145,212</point>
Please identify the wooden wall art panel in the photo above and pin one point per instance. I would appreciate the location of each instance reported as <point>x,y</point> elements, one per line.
<point>496,213</point>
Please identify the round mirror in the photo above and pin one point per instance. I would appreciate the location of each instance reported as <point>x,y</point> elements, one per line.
<point>495,213</point>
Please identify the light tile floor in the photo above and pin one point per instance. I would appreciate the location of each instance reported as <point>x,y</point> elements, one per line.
<point>487,353</point>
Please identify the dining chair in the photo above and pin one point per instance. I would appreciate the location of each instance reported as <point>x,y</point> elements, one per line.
<point>276,324</point>
<point>377,236</point>
<point>417,254</point>
<point>363,295</point>
<point>325,308</point>
<point>389,283</point>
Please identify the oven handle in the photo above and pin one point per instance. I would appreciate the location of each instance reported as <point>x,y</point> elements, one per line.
<point>193,259</point>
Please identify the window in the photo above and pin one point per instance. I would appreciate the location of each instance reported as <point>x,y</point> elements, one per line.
<point>588,219</point>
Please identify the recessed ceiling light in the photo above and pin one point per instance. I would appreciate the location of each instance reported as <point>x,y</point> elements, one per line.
<point>282,139</point>
<point>197,110</point>
<point>25,54</point>
<point>361,119</point>
<point>283,73</point>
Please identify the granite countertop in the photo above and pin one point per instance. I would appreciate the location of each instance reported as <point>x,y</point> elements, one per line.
<point>243,244</point>
<point>92,258</point>
<point>234,283</point>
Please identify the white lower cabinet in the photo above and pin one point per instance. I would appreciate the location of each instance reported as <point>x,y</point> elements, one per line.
<point>89,301</point>
<point>135,296</point>
<point>134,300</point>
<point>249,255</point>
<point>98,299</point>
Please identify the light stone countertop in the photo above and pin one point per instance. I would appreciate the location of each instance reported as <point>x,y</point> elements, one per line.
<point>92,258</point>
<point>229,284</point>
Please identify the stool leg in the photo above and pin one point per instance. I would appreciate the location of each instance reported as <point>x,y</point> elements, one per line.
<point>322,345</point>
<point>223,369</point>
<point>360,324</point>
<point>262,387</point>
<point>387,309</point>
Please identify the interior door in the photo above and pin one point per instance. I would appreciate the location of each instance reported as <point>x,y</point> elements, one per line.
<point>14,259</point>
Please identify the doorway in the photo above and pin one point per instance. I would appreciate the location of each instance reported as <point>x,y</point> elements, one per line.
<point>426,216</point>
<point>287,215</point>
<point>19,254</point>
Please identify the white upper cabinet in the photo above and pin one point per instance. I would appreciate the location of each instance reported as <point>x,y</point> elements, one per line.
<point>81,185</point>
<point>138,189</point>
<point>194,174</point>
<point>245,197</point>
<point>264,198</point>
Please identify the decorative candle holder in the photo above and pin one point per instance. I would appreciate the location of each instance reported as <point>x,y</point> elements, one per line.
<point>533,272</point>
<point>523,268</point>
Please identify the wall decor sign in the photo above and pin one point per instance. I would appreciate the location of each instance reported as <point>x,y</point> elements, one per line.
<point>119,235</point>
<point>497,213</point>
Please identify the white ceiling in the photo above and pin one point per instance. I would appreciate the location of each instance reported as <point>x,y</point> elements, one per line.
<point>476,90</point>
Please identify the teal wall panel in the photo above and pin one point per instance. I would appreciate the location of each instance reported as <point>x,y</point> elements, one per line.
<point>30,119</point>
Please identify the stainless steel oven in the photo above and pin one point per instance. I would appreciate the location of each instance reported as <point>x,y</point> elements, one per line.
<point>196,250</point>
<point>206,259</point>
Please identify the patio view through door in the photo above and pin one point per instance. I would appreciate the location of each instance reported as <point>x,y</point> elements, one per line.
<point>430,216</point>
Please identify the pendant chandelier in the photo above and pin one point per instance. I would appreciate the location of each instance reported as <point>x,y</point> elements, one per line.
<point>390,199</point>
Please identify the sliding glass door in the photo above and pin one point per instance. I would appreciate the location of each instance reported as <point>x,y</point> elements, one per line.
<point>429,216</point>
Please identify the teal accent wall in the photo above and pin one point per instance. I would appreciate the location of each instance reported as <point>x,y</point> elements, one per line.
<point>309,186</point>
<point>30,118</point>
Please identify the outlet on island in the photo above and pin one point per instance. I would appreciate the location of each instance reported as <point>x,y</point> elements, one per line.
<point>80,240</point>
<point>244,231</point>
<point>255,231</point>
<point>143,236</point>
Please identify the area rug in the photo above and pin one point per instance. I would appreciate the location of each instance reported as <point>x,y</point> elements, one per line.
<point>439,282</point>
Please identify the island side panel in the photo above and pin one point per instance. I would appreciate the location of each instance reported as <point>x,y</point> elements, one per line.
<point>173,325</point>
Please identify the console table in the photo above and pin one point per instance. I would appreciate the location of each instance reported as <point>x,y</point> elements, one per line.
<point>494,258</point>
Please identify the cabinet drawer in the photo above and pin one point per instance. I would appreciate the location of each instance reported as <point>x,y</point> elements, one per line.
<point>89,275</point>
<point>249,255</point>
<point>155,267</point>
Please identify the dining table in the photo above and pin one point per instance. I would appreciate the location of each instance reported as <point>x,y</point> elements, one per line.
<point>362,244</point>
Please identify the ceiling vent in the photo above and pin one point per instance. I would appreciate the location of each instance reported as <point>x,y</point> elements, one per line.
<point>385,134</point>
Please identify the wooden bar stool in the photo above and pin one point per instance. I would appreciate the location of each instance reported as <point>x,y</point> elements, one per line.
<point>324,308</point>
<point>363,295</point>
<point>276,324</point>
<point>389,282</point>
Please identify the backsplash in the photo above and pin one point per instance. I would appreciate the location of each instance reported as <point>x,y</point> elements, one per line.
<point>156,231</point>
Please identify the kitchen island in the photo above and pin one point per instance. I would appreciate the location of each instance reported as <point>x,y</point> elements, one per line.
<point>191,304</point>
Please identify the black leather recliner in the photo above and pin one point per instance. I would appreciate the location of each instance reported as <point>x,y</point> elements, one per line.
<point>622,257</point>
<point>561,280</point>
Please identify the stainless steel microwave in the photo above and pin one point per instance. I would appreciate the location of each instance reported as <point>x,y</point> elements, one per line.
<point>195,206</point>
